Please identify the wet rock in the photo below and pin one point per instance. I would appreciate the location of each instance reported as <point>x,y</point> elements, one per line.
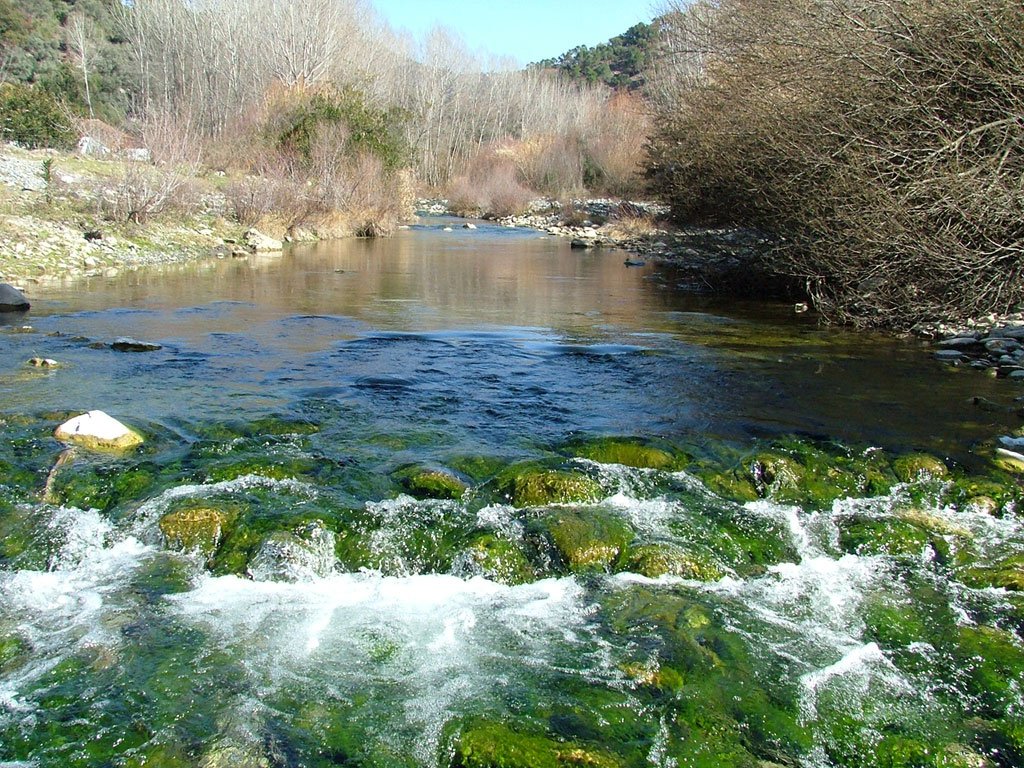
<point>540,487</point>
<point>917,466</point>
<point>304,555</point>
<point>497,559</point>
<point>467,225</point>
<point>1011,461</point>
<point>431,483</point>
<point>588,539</point>
<point>43,362</point>
<point>629,453</point>
<point>196,528</point>
<point>128,344</point>
<point>656,560</point>
<point>12,300</point>
<point>493,745</point>
<point>959,342</point>
<point>1001,346</point>
<point>949,356</point>
<point>96,430</point>
<point>581,245</point>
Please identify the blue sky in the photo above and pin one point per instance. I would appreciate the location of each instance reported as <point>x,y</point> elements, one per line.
<point>527,30</point>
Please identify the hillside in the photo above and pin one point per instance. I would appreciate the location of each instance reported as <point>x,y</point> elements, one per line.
<point>619,63</point>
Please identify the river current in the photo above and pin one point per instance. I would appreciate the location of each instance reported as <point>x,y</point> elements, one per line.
<point>339,615</point>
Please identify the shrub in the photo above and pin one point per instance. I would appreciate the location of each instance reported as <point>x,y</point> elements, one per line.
<point>33,118</point>
<point>882,141</point>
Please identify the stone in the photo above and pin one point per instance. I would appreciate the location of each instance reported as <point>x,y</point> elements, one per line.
<point>1013,332</point>
<point>1000,347</point>
<point>260,243</point>
<point>11,299</point>
<point>959,342</point>
<point>195,528</point>
<point>1009,460</point>
<point>581,245</point>
<point>43,362</point>
<point>949,356</point>
<point>96,430</point>
<point>127,344</point>
<point>91,147</point>
<point>469,226</point>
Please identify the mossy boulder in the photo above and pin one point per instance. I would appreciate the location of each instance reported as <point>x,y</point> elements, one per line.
<point>533,486</point>
<point>587,539</point>
<point>1007,574</point>
<point>861,535</point>
<point>197,527</point>
<point>656,560</point>
<point>919,466</point>
<point>629,453</point>
<point>498,559</point>
<point>427,483</point>
<point>494,745</point>
<point>14,651</point>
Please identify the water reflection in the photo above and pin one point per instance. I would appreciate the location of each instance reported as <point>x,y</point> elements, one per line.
<point>498,336</point>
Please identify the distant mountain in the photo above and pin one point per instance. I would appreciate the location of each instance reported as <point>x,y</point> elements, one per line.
<point>619,63</point>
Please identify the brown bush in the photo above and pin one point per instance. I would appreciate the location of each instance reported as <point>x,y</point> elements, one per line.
<point>881,140</point>
<point>490,186</point>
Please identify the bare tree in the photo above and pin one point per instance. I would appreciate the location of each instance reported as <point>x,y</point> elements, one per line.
<point>80,32</point>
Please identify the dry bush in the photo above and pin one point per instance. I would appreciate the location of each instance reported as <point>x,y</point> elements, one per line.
<point>882,140</point>
<point>615,147</point>
<point>491,187</point>
<point>141,192</point>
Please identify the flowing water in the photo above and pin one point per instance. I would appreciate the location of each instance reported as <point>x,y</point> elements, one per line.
<point>330,612</point>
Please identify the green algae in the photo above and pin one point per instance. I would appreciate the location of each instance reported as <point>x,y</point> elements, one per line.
<point>656,560</point>
<point>495,745</point>
<point>499,559</point>
<point>919,466</point>
<point>587,539</point>
<point>431,483</point>
<point>533,486</point>
<point>627,452</point>
<point>197,527</point>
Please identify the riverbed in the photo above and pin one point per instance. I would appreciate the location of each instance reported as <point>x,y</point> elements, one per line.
<point>475,498</point>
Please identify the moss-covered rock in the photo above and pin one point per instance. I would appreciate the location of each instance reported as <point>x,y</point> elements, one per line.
<point>919,466</point>
<point>197,527</point>
<point>861,535</point>
<point>494,745</point>
<point>498,559</point>
<point>533,486</point>
<point>14,651</point>
<point>96,431</point>
<point>426,483</point>
<point>629,453</point>
<point>587,539</point>
<point>1008,574</point>
<point>655,560</point>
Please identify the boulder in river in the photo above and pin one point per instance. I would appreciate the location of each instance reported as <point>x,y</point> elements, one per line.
<point>11,299</point>
<point>98,431</point>
<point>126,344</point>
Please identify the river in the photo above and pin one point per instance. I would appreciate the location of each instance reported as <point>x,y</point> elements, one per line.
<point>630,559</point>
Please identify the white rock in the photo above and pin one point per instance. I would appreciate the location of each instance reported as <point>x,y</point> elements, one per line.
<point>98,431</point>
<point>257,241</point>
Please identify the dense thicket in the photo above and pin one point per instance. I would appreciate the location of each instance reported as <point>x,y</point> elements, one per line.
<point>73,50</point>
<point>620,63</point>
<point>881,140</point>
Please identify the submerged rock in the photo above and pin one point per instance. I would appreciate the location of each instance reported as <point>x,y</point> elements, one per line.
<point>494,745</point>
<point>306,554</point>
<point>12,300</point>
<point>496,559</point>
<point>919,466</point>
<point>656,560</point>
<point>96,430</point>
<point>127,344</point>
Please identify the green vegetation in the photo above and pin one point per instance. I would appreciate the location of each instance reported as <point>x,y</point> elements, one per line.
<point>33,118</point>
<point>620,63</point>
